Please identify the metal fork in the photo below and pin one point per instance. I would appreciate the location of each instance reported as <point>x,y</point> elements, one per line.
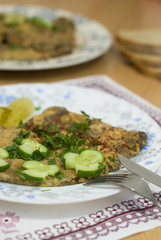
<point>130,181</point>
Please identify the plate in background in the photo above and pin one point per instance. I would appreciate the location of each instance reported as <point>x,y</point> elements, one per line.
<point>92,40</point>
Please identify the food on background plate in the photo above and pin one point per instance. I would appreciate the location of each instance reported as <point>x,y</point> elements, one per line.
<point>59,148</point>
<point>143,48</point>
<point>29,38</point>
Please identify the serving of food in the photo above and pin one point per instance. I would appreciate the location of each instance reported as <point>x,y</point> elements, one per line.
<point>30,38</point>
<point>59,147</point>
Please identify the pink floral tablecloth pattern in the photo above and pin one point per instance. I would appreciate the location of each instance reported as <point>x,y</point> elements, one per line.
<point>114,217</point>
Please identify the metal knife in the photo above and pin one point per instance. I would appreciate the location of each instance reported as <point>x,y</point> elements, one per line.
<point>140,171</point>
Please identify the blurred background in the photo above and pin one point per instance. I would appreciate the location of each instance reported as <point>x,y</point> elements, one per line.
<point>114,15</point>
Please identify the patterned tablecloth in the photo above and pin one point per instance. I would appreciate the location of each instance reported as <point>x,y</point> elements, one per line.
<point>114,217</point>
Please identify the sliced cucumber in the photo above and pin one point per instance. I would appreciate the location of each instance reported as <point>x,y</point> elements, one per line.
<point>91,156</point>
<point>85,170</point>
<point>28,146</point>
<point>3,153</point>
<point>39,170</point>
<point>52,169</point>
<point>28,141</point>
<point>25,150</point>
<point>89,171</point>
<point>41,22</point>
<point>69,160</point>
<point>3,165</point>
<point>86,164</point>
<point>32,164</point>
<point>33,174</point>
<point>34,145</point>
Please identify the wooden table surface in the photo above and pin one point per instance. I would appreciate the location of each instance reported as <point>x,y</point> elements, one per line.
<point>115,15</point>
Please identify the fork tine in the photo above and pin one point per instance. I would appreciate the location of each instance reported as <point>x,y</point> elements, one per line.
<point>96,180</point>
<point>117,176</point>
<point>110,178</point>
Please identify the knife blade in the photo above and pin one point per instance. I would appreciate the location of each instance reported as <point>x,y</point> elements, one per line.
<point>140,171</point>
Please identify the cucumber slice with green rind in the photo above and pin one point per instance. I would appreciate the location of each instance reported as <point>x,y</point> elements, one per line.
<point>28,146</point>
<point>3,153</point>
<point>69,160</point>
<point>83,167</point>
<point>52,169</point>
<point>86,164</point>
<point>3,165</point>
<point>25,150</point>
<point>90,171</point>
<point>33,174</point>
<point>34,145</point>
<point>39,166</point>
<point>32,164</point>
<point>91,156</point>
<point>28,141</point>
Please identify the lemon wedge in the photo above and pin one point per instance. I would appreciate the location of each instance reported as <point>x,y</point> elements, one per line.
<point>4,114</point>
<point>20,108</point>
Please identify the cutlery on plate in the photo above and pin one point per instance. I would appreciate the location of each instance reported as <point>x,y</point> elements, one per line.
<point>140,171</point>
<point>130,181</point>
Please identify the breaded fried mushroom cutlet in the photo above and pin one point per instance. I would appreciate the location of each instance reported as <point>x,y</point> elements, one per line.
<point>23,38</point>
<point>59,147</point>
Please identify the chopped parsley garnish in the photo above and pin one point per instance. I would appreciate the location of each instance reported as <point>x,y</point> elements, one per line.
<point>37,108</point>
<point>20,172</point>
<point>45,190</point>
<point>67,141</point>
<point>82,127</point>
<point>111,159</point>
<point>15,47</point>
<point>17,140</point>
<point>52,161</point>
<point>22,134</point>
<point>21,125</point>
<point>37,155</point>
<point>54,28</point>
<point>46,129</point>
<point>59,175</point>
<point>13,151</point>
<point>85,114</point>
<point>54,139</point>
<point>12,147</point>
<point>49,142</point>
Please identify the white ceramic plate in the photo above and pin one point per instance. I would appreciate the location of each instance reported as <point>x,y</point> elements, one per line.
<point>93,40</point>
<point>97,104</point>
